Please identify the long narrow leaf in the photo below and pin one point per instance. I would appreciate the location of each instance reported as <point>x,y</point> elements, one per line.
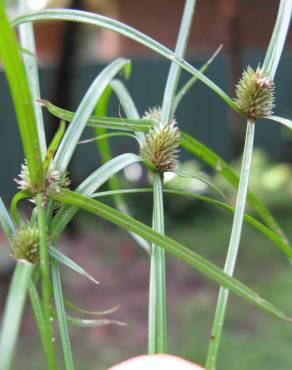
<point>65,260</point>
<point>13,312</point>
<point>104,122</point>
<point>284,247</point>
<point>202,178</point>
<point>201,151</point>
<point>284,121</point>
<point>61,315</point>
<point>6,221</point>
<point>20,195</point>
<point>278,38</point>
<point>19,88</point>
<point>123,29</point>
<point>88,187</point>
<point>91,323</point>
<point>208,156</point>
<point>127,103</point>
<point>84,111</point>
<point>131,112</point>
<point>27,42</point>
<point>125,99</point>
<point>75,308</point>
<point>179,250</point>
<point>189,84</point>
<point>168,105</point>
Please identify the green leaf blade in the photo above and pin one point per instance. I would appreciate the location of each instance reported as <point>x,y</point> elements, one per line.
<point>22,100</point>
<point>84,111</point>
<point>127,31</point>
<point>13,312</point>
<point>180,251</point>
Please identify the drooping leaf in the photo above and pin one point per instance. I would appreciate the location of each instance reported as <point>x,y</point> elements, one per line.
<point>124,124</point>
<point>201,151</point>
<point>190,257</point>
<point>284,121</point>
<point>123,29</point>
<point>75,308</point>
<point>89,186</point>
<point>284,247</point>
<point>67,261</point>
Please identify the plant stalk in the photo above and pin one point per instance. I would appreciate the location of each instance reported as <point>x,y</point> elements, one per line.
<point>157,340</point>
<point>157,326</point>
<point>233,246</point>
<point>46,284</point>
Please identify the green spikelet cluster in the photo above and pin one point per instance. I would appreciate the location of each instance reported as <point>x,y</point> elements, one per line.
<point>160,145</point>
<point>255,93</point>
<point>25,243</point>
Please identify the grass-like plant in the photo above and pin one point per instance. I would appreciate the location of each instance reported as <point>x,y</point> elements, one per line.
<point>45,180</point>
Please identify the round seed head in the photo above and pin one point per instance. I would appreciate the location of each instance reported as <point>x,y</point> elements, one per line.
<point>160,145</point>
<point>25,243</point>
<point>255,93</point>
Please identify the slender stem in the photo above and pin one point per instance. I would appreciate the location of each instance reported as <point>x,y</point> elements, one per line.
<point>157,326</point>
<point>233,246</point>
<point>39,316</point>
<point>157,291</point>
<point>46,284</point>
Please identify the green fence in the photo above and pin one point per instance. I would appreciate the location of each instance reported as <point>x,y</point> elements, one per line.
<point>146,83</point>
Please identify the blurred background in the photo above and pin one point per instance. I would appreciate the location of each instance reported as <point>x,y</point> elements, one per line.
<point>70,55</point>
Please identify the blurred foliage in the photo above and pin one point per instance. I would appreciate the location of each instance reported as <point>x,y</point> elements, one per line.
<point>272,182</point>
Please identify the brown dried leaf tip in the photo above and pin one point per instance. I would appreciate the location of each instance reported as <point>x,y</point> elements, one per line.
<point>160,145</point>
<point>255,93</point>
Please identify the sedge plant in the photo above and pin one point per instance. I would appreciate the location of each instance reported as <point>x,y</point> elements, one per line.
<point>44,179</point>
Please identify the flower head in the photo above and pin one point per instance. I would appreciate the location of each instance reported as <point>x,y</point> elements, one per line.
<point>53,178</point>
<point>255,93</point>
<point>159,148</point>
<point>25,242</point>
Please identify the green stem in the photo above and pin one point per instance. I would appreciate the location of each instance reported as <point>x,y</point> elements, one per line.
<point>157,326</point>
<point>46,284</point>
<point>233,246</point>
<point>39,317</point>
